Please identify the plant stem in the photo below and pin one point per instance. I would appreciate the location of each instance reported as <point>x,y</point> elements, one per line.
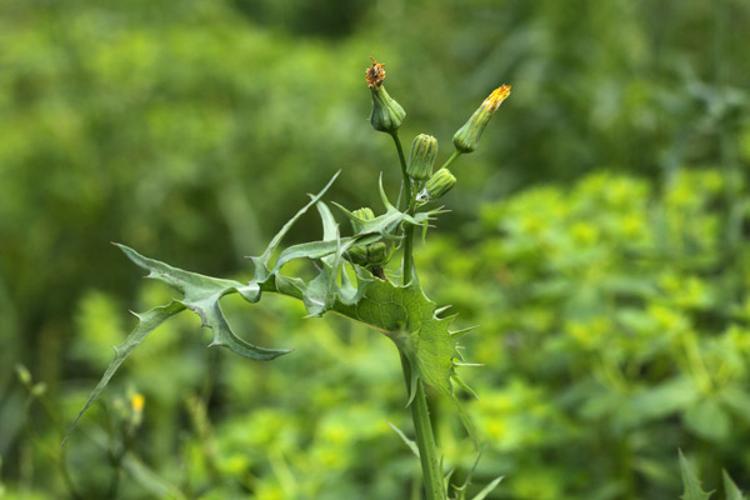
<point>432,473</point>
<point>451,158</point>
<point>406,187</point>
<point>408,260</point>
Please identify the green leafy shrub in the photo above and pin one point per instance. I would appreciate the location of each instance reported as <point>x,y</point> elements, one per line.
<point>613,315</point>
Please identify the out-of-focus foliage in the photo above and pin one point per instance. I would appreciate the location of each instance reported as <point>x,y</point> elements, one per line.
<point>615,321</point>
<point>613,304</point>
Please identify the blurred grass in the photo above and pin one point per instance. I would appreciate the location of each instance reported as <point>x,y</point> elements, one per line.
<point>613,304</point>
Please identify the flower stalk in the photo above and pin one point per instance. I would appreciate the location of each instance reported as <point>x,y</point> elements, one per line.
<point>429,456</point>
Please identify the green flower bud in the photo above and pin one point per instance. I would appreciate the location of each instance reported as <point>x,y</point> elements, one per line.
<point>364,213</point>
<point>387,115</point>
<point>374,254</point>
<point>422,157</point>
<point>440,183</point>
<point>467,137</point>
<point>377,253</point>
<point>357,254</point>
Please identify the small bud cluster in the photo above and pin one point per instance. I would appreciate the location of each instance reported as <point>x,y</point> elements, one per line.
<point>388,115</point>
<point>423,185</point>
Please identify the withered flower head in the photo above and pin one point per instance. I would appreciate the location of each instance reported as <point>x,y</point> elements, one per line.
<point>387,114</point>
<point>375,74</point>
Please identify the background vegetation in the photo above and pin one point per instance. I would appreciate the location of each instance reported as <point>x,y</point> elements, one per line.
<point>598,237</point>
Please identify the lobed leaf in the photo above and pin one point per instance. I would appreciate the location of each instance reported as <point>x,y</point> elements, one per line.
<point>410,319</point>
<point>201,294</point>
<point>691,483</point>
<point>261,263</point>
<point>731,491</point>
<point>147,322</point>
<point>488,489</point>
<point>408,442</point>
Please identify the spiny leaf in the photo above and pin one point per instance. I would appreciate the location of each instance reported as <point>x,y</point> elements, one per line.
<point>261,263</point>
<point>488,489</point>
<point>384,197</point>
<point>147,322</point>
<point>690,481</point>
<point>463,385</point>
<point>201,294</point>
<point>318,249</point>
<point>464,331</point>
<point>408,317</point>
<point>330,226</point>
<point>731,491</point>
<point>461,489</point>
<point>276,241</point>
<point>411,444</point>
<point>387,223</point>
<point>194,286</point>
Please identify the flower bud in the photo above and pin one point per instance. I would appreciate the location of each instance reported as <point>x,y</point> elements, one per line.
<point>357,254</point>
<point>376,253</point>
<point>387,115</point>
<point>467,137</point>
<point>422,157</point>
<point>364,213</point>
<point>440,183</point>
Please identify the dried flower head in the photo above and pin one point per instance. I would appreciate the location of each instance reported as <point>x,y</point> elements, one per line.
<point>375,74</point>
<point>387,114</point>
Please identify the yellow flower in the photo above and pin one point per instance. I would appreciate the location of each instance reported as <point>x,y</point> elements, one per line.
<point>496,98</point>
<point>136,402</point>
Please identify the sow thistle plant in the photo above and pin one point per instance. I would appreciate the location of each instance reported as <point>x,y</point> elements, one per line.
<point>351,278</point>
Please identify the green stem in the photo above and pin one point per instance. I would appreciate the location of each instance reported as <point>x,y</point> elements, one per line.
<point>408,261</point>
<point>406,184</point>
<point>451,158</point>
<point>432,472</point>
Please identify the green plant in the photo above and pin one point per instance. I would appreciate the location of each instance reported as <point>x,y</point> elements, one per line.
<point>692,484</point>
<point>351,278</point>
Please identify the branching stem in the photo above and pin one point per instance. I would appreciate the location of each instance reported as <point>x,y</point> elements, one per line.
<point>428,453</point>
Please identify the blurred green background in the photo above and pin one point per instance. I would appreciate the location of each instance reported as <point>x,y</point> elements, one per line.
<point>598,236</point>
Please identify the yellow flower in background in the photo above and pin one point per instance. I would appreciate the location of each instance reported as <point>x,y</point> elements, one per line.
<point>137,401</point>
